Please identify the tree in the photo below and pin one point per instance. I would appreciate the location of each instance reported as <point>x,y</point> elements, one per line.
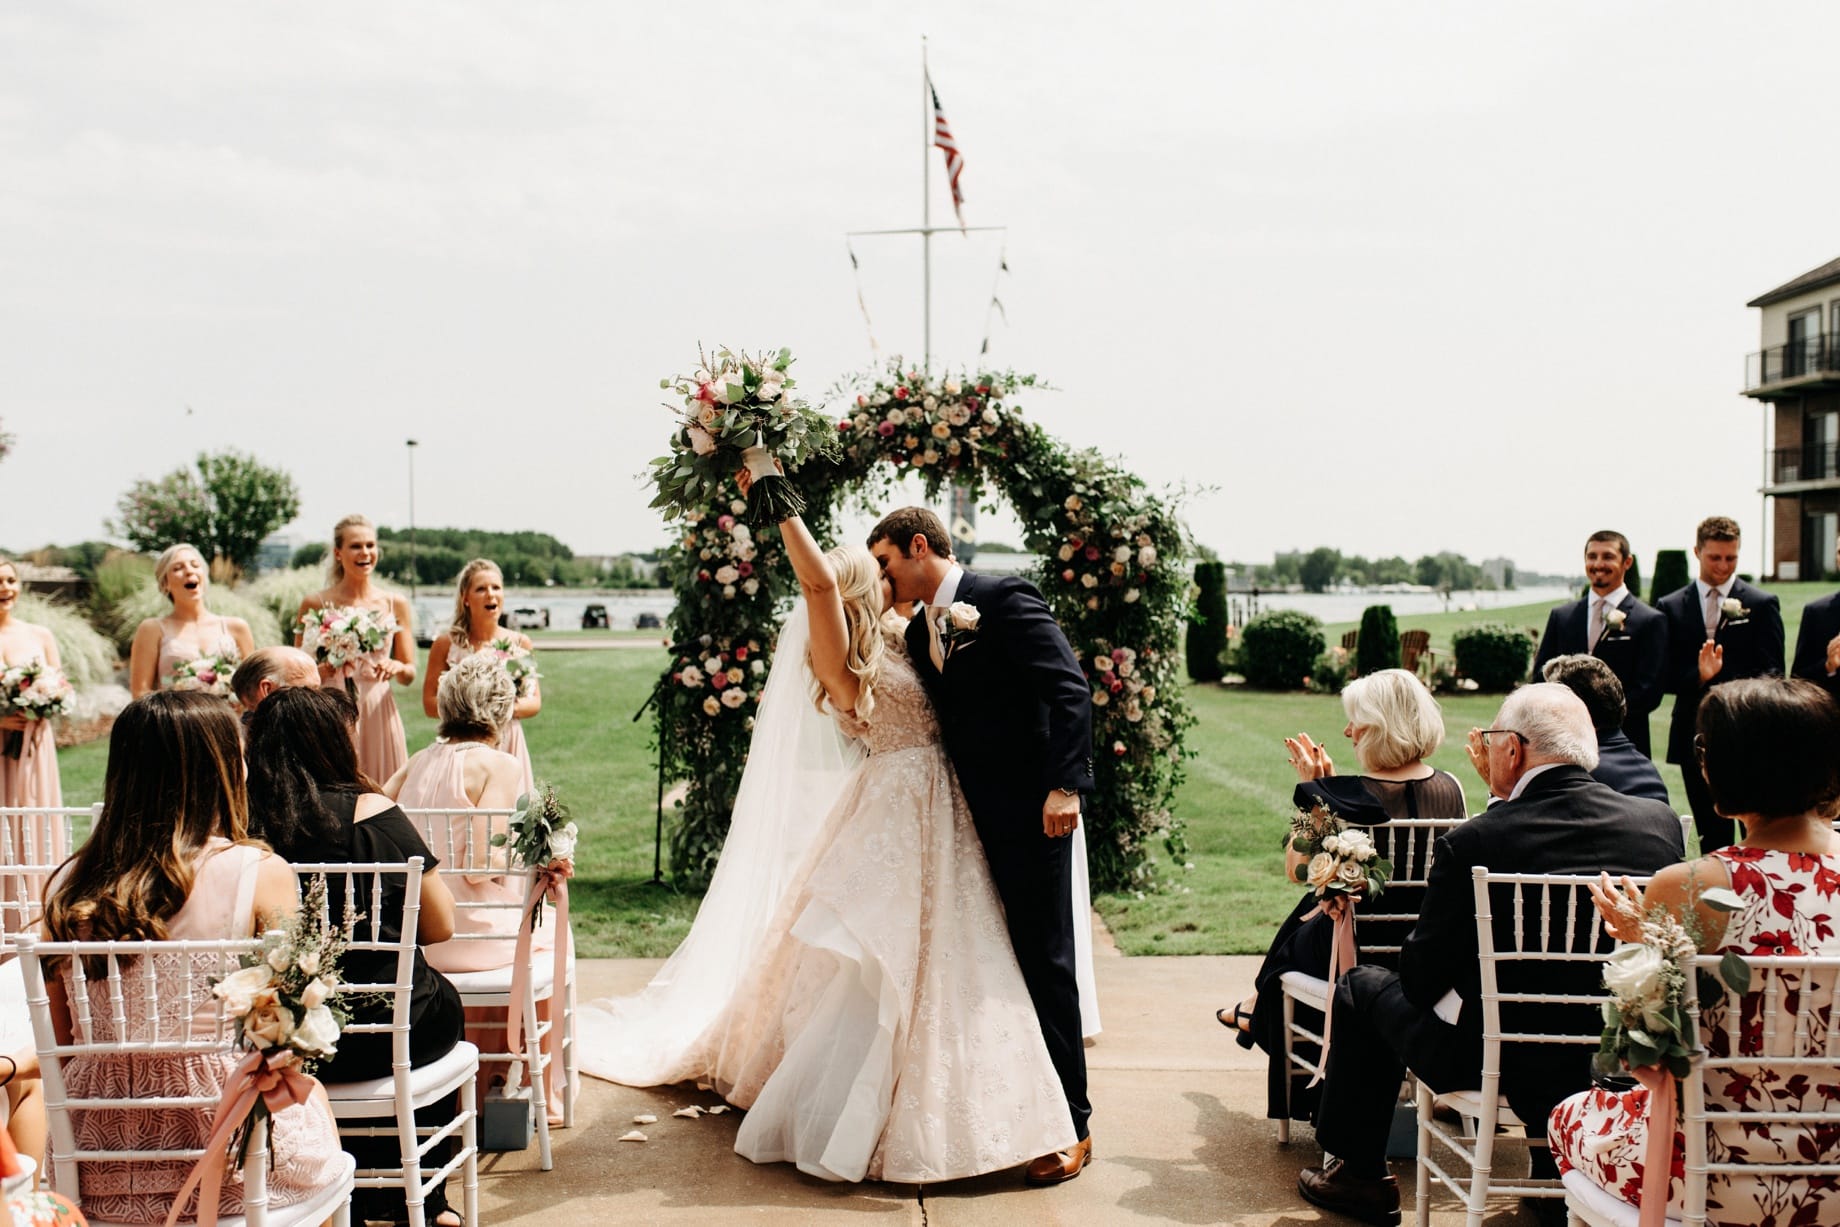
<point>6,443</point>
<point>1378,645</point>
<point>1207,627</point>
<point>1671,574</point>
<point>226,509</point>
<point>1319,567</point>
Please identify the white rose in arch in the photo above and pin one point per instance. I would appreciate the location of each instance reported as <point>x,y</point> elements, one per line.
<point>1122,554</point>
<point>712,706</point>
<point>692,677</point>
<point>1146,556</point>
<point>751,587</point>
<point>1131,596</point>
<point>1101,698</point>
<point>1066,553</point>
<point>727,574</point>
<point>1089,580</point>
<point>733,697</point>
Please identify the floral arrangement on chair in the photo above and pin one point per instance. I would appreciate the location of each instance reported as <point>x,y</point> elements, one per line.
<point>1339,861</point>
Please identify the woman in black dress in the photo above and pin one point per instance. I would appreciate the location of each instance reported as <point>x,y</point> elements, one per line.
<point>1395,725</point>
<point>309,800</point>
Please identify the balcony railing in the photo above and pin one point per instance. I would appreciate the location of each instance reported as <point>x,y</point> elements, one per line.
<point>1809,462</point>
<point>1816,355</point>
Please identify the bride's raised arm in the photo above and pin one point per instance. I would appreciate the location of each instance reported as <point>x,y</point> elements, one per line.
<point>824,606</point>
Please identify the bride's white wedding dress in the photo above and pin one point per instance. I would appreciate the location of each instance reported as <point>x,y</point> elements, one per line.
<point>883,1030</point>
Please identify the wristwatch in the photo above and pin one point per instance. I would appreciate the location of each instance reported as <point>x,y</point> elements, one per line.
<point>1071,792</point>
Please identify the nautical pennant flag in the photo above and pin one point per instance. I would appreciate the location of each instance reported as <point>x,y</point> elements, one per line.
<point>955,161</point>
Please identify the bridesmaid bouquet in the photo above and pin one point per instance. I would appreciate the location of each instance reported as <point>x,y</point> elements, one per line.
<point>1341,860</point>
<point>338,637</point>
<point>518,662</point>
<point>37,691</point>
<point>209,673</point>
<point>739,411</point>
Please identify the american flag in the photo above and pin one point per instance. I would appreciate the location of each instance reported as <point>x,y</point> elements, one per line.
<point>955,161</point>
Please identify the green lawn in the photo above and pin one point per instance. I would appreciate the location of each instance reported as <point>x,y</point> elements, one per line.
<point>1235,803</point>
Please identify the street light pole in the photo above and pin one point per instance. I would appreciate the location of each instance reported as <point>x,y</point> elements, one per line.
<point>411,444</point>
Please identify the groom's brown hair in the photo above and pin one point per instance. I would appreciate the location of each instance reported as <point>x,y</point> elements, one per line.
<point>901,526</point>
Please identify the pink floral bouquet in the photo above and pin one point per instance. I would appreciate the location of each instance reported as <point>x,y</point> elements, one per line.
<point>209,673</point>
<point>739,411</point>
<point>1340,860</point>
<point>37,691</point>
<point>337,636</point>
<point>518,662</point>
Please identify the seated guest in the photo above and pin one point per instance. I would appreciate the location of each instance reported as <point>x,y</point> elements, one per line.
<point>465,770</point>
<point>170,859</point>
<point>1428,1016</point>
<point>315,805</point>
<point>268,670</point>
<point>1395,725</point>
<point>1619,764</point>
<point>1767,751</point>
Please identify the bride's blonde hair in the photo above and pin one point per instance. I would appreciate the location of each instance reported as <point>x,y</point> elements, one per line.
<point>859,584</point>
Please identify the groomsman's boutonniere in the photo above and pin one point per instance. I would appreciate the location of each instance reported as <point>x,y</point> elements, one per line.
<point>1613,623</point>
<point>1732,612</point>
<point>961,625</point>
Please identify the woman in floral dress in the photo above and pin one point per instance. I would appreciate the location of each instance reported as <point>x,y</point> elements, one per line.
<point>1766,747</point>
<point>382,746</point>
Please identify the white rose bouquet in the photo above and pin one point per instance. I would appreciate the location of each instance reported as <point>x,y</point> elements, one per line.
<point>209,673</point>
<point>733,405</point>
<point>1341,859</point>
<point>540,834</point>
<point>37,691</point>
<point>1643,1023</point>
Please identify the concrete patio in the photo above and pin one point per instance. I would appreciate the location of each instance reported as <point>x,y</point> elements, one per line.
<point>1179,1130</point>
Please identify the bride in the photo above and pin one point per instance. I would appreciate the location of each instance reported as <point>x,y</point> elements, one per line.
<point>879,1028</point>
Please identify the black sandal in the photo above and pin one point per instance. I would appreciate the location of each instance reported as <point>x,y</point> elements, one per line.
<point>1240,1014</point>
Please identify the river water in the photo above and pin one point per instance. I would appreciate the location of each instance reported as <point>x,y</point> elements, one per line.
<point>625,605</point>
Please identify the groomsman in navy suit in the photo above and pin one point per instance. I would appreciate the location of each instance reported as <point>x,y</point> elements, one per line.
<point>1633,644</point>
<point>1817,644</point>
<point>1719,629</point>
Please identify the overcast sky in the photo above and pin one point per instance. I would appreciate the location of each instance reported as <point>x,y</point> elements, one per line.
<point>1392,277</point>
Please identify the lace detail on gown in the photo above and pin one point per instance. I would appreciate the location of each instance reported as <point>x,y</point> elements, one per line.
<point>886,1031</point>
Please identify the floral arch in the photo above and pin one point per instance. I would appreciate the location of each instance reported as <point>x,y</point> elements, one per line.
<point>1111,575</point>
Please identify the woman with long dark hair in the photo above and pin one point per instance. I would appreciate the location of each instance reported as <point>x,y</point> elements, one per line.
<point>171,858</point>
<point>316,805</point>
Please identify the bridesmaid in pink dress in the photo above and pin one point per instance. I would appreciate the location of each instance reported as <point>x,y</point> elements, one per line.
<point>32,778</point>
<point>464,770</point>
<point>169,859</point>
<point>478,597</point>
<point>189,631</point>
<point>382,747</point>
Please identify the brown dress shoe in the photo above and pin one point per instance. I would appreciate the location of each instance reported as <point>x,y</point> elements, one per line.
<point>1062,1165</point>
<point>1332,1188</point>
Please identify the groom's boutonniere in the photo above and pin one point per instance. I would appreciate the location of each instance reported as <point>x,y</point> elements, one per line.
<point>1732,612</point>
<point>961,625</point>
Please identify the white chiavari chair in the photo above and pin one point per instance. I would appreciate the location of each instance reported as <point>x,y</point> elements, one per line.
<point>34,840</point>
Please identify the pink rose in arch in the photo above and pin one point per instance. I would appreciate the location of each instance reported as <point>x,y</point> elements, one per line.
<point>886,430</point>
<point>725,522</point>
<point>745,569</point>
<point>718,679</point>
<point>1092,553</point>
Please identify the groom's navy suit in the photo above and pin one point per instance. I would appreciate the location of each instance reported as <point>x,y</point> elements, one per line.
<point>1637,654</point>
<point>1015,712</point>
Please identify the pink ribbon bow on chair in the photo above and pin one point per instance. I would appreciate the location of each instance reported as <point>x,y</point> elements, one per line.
<point>551,883</point>
<point>1341,957</point>
<point>273,1076</point>
<point>1658,1159</point>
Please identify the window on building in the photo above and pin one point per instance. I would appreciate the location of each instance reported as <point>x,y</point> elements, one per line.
<point>1802,352</point>
<point>1821,532</point>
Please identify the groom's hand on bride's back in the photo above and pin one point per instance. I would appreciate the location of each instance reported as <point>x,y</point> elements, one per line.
<point>1060,813</point>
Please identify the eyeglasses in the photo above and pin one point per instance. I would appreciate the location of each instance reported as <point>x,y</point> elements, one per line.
<point>1521,737</point>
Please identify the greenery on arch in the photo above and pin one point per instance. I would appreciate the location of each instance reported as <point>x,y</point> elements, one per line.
<point>1111,575</point>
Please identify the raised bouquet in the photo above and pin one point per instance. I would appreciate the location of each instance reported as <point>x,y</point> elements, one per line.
<point>338,636</point>
<point>209,673</point>
<point>540,834</point>
<point>37,691</point>
<point>517,661</point>
<point>1340,859</point>
<point>739,411</point>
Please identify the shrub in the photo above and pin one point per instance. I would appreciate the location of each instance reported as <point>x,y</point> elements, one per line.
<point>1493,655</point>
<point>1332,670</point>
<point>1671,574</point>
<point>149,602</point>
<point>1378,646</point>
<point>1206,641</point>
<point>1278,649</point>
<point>87,655</point>
<point>312,554</point>
<point>1633,580</point>
<point>281,592</point>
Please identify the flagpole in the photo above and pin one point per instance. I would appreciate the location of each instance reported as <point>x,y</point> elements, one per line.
<point>926,212</point>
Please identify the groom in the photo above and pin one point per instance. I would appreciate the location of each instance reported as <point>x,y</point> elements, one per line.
<point>1016,717</point>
